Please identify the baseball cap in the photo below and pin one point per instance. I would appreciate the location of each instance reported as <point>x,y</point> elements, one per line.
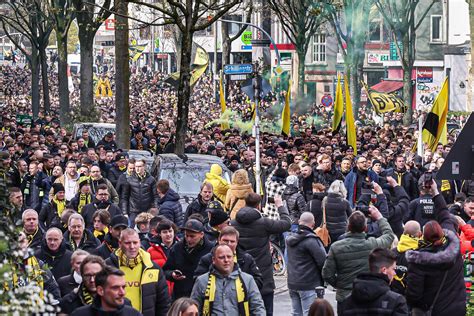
<point>119,221</point>
<point>120,157</point>
<point>193,225</point>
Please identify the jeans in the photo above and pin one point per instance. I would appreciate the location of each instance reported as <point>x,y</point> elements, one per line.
<point>131,219</point>
<point>268,302</point>
<point>301,301</point>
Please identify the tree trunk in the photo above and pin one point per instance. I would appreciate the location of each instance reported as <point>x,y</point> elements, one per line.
<point>122,76</point>
<point>470,85</point>
<point>301,67</point>
<point>86,86</point>
<point>184,92</point>
<point>45,80</point>
<point>226,44</point>
<point>407,65</point>
<point>64,107</point>
<point>177,38</point>
<point>35,91</point>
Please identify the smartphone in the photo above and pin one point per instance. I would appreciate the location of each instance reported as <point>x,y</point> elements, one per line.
<point>428,179</point>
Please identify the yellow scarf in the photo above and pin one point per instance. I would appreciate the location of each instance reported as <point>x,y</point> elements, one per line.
<point>32,236</point>
<point>445,185</point>
<point>210,296</point>
<point>83,200</point>
<point>86,297</point>
<point>98,233</point>
<point>34,274</point>
<point>60,206</point>
<point>125,261</point>
<point>407,242</point>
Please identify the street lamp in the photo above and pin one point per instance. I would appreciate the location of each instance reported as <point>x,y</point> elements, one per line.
<point>257,87</point>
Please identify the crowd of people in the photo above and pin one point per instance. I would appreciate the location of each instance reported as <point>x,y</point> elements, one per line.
<point>376,225</point>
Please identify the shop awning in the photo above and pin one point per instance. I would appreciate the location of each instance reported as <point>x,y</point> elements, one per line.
<point>387,86</point>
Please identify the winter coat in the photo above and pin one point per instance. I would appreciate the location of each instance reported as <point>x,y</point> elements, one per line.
<point>67,284</point>
<point>225,302</point>
<point>159,254</point>
<point>153,289</point>
<point>88,243</point>
<point>59,262</point>
<point>36,240</point>
<point>219,184</point>
<point>96,309</point>
<point>326,178</point>
<point>295,202</point>
<point>352,185</point>
<point>421,210</point>
<point>397,208</point>
<point>235,198</point>
<point>170,207</point>
<point>255,231</point>
<point>371,296</point>
<point>114,174</point>
<point>180,259</point>
<point>48,217</point>
<point>246,263</point>
<point>74,203</point>
<point>89,209</point>
<point>272,188</point>
<point>32,192</point>
<point>338,211</point>
<point>427,267</point>
<point>314,206</point>
<point>111,145</point>
<point>114,198</point>
<point>108,246</point>
<point>197,206</point>
<point>405,179</point>
<point>467,188</point>
<point>405,243</point>
<point>348,258</point>
<point>306,256</point>
<point>139,195</point>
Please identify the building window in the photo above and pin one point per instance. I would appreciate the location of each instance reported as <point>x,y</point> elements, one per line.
<point>375,30</point>
<point>319,48</point>
<point>436,28</point>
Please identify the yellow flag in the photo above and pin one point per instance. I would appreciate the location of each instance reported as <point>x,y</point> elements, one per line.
<point>223,105</point>
<point>435,123</point>
<point>338,108</point>
<point>286,115</point>
<point>350,124</point>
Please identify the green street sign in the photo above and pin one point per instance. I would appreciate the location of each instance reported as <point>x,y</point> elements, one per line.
<point>24,119</point>
<point>157,42</point>
<point>246,37</point>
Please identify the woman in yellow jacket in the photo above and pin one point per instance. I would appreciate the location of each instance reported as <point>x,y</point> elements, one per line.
<point>238,191</point>
<point>219,184</point>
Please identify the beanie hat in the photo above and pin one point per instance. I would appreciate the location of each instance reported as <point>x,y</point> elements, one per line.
<point>58,187</point>
<point>217,216</point>
<point>292,180</point>
<point>376,161</point>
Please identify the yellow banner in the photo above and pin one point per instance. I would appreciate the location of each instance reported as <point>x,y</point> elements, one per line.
<point>103,88</point>
<point>286,114</point>
<point>385,102</point>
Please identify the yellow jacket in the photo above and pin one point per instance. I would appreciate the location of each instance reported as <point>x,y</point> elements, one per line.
<point>219,184</point>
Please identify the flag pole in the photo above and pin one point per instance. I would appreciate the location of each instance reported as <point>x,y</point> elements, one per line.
<point>420,134</point>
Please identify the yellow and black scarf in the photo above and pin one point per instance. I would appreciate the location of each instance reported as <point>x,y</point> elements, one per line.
<point>83,200</point>
<point>210,296</point>
<point>60,206</point>
<point>32,236</point>
<point>73,243</point>
<point>86,297</point>
<point>35,274</point>
<point>98,233</point>
<point>127,262</point>
<point>426,244</point>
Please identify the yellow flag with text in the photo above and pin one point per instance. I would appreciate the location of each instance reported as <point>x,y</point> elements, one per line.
<point>350,124</point>
<point>286,114</point>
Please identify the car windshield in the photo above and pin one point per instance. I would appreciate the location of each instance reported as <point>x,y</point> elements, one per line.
<point>186,180</point>
<point>95,132</point>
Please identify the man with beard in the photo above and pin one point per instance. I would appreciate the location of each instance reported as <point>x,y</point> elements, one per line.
<point>404,177</point>
<point>53,252</point>
<point>96,180</point>
<point>360,175</point>
<point>306,182</point>
<point>325,173</point>
<point>111,239</point>
<point>102,202</point>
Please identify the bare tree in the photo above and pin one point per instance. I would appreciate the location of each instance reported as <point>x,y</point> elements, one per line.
<point>189,16</point>
<point>471,71</point>
<point>89,19</point>
<point>400,17</point>
<point>300,20</point>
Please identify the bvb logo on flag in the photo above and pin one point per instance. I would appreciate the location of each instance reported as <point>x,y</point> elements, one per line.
<point>384,102</point>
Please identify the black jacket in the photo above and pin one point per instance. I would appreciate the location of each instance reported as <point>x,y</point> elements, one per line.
<point>109,245</point>
<point>139,195</point>
<point>154,294</point>
<point>338,211</point>
<point>255,231</point>
<point>197,206</point>
<point>36,239</point>
<point>326,178</point>
<point>397,208</point>
<point>246,263</point>
<point>371,296</point>
<point>48,217</point>
<point>95,309</point>
<point>314,206</point>
<point>88,243</point>
<point>67,284</point>
<point>58,262</point>
<point>427,266</point>
<point>306,256</point>
<point>295,202</point>
<point>186,262</point>
<point>421,210</point>
<point>406,180</point>
<point>171,208</point>
<point>89,209</point>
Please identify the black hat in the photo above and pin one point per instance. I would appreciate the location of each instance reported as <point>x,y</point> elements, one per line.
<point>109,134</point>
<point>214,205</point>
<point>235,157</point>
<point>120,157</point>
<point>58,187</point>
<point>217,216</point>
<point>193,225</point>
<point>119,221</point>
<point>376,161</point>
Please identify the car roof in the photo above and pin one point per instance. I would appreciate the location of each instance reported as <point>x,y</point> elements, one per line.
<point>92,124</point>
<point>193,159</point>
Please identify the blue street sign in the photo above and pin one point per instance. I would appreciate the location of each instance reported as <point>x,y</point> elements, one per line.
<point>246,47</point>
<point>237,69</point>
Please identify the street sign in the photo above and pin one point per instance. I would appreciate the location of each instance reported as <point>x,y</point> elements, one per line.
<point>393,50</point>
<point>246,37</point>
<point>237,69</point>
<point>246,47</point>
<point>326,100</point>
<point>278,70</point>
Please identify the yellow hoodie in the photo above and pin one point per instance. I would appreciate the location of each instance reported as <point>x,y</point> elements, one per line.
<point>219,184</point>
<point>406,243</point>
